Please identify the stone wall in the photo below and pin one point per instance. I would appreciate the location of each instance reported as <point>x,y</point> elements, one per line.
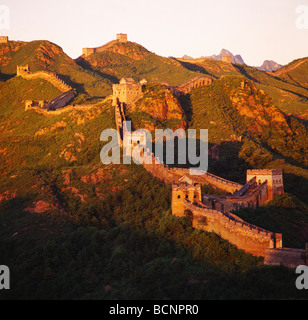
<point>194,83</point>
<point>68,93</point>
<point>187,196</point>
<point>256,196</point>
<point>180,192</point>
<point>291,258</point>
<point>245,236</point>
<point>62,100</point>
<point>120,120</point>
<point>170,175</point>
<point>122,38</point>
<point>30,104</point>
<point>48,76</point>
<point>88,51</point>
<point>274,180</point>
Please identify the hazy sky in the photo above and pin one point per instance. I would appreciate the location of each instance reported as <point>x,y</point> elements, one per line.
<point>257,29</point>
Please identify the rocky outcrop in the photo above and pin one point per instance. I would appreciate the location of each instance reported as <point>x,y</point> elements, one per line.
<point>40,207</point>
<point>7,195</point>
<point>58,125</point>
<point>161,105</point>
<point>258,107</point>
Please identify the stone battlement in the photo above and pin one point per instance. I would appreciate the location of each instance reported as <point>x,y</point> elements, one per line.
<point>67,95</point>
<point>4,39</point>
<point>261,186</point>
<point>127,91</point>
<point>274,179</point>
<point>24,72</point>
<point>189,85</point>
<point>251,195</point>
<point>122,38</point>
<point>248,237</point>
<point>264,171</point>
<point>30,104</point>
<point>289,257</point>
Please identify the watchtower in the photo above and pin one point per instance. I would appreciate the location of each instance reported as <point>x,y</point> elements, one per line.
<point>4,39</point>
<point>274,179</point>
<point>22,70</point>
<point>121,37</point>
<point>127,91</point>
<point>185,189</point>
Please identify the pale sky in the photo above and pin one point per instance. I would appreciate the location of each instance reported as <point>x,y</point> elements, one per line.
<point>257,29</point>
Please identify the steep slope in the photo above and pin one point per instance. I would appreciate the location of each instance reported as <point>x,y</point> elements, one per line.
<point>30,140</point>
<point>234,109</point>
<point>287,95</point>
<point>158,108</point>
<point>132,60</point>
<point>295,72</point>
<point>209,66</point>
<point>46,56</point>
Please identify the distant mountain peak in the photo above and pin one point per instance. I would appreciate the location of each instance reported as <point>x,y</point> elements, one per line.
<point>226,53</point>
<point>187,57</point>
<point>269,66</point>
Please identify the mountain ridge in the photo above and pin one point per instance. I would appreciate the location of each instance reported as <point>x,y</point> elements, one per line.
<point>269,66</point>
<point>92,231</point>
<point>226,53</point>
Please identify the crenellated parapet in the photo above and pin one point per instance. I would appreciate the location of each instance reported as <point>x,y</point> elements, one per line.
<point>24,72</point>
<point>213,213</point>
<point>245,236</point>
<point>4,39</point>
<point>121,38</point>
<point>67,95</point>
<point>127,91</point>
<point>194,83</point>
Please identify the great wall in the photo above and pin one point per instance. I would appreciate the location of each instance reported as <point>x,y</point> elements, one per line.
<point>67,95</point>
<point>122,38</point>
<point>213,213</point>
<point>210,213</point>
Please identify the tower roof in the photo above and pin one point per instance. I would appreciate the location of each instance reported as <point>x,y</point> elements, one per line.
<point>127,81</point>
